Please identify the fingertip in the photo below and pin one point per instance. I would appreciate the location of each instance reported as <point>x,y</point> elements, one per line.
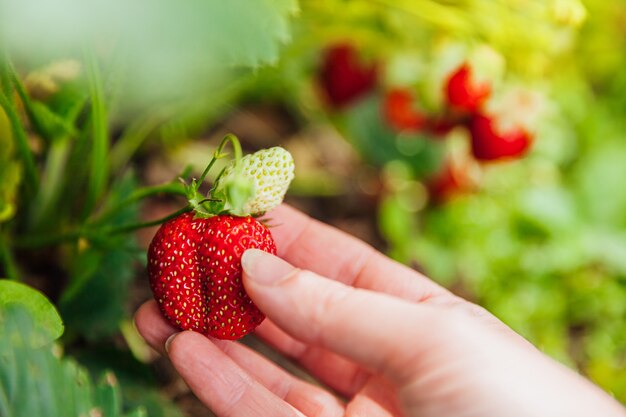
<point>263,268</point>
<point>152,326</point>
<point>182,344</point>
<point>143,315</point>
<point>169,341</point>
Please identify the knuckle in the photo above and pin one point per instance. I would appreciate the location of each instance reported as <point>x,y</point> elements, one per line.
<point>236,390</point>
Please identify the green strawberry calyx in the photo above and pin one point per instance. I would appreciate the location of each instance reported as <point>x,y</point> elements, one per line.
<point>248,186</point>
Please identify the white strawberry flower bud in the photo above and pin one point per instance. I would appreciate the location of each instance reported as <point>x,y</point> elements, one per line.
<point>270,172</point>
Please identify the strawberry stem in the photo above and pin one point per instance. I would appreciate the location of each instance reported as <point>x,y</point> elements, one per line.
<point>171,188</point>
<point>215,205</point>
<point>218,154</point>
<point>37,241</point>
<point>132,227</point>
<point>7,261</point>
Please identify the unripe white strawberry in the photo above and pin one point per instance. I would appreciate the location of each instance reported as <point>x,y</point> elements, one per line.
<point>268,171</point>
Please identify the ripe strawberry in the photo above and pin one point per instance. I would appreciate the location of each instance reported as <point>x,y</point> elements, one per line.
<point>400,112</point>
<point>194,265</point>
<point>464,92</point>
<point>344,77</point>
<point>268,171</point>
<point>456,177</point>
<point>491,141</point>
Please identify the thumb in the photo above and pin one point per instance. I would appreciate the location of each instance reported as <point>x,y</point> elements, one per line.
<point>363,325</point>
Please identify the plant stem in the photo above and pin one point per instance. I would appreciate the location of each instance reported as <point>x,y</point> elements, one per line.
<point>218,154</point>
<point>7,261</point>
<point>169,188</point>
<point>5,79</point>
<point>131,140</point>
<point>41,240</point>
<point>21,140</point>
<point>51,182</point>
<point>28,106</point>
<point>100,137</point>
<point>136,226</point>
<point>19,135</point>
<point>37,241</point>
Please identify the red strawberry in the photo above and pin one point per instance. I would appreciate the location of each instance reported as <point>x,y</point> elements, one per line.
<point>464,92</point>
<point>194,266</point>
<point>400,112</point>
<point>455,178</point>
<point>344,77</point>
<point>490,141</point>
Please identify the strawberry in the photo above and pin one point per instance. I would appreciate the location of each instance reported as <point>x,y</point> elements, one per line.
<point>194,260</point>
<point>456,177</point>
<point>400,112</point>
<point>464,92</point>
<point>344,77</point>
<point>268,171</point>
<point>194,265</point>
<point>491,141</point>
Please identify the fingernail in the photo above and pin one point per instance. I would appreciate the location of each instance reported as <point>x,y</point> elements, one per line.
<point>169,341</point>
<point>265,268</point>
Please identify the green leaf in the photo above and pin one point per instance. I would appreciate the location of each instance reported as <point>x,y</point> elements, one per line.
<point>44,313</point>
<point>52,125</point>
<point>138,383</point>
<point>108,394</point>
<point>36,382</point>
<point>94,302</point>
<point>10,170</point>
<point>11,117</point>
<point>98,161</point>
<point>10,178</point>
<point>165,48</point>
<point>379,145</point>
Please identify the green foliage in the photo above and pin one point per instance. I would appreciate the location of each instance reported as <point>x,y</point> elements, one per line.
<point>135,378</point>
<point>46,319</point>
<point>543,247</point>
<point>542,243</point>
<point>34,381</point>
<point>380,145</point>
<point>93,303</point>
<point>528,35</point>
<point>177,50</point>
<point>10,172</point>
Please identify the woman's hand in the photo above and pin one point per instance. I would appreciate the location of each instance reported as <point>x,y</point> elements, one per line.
<point>387,339</point>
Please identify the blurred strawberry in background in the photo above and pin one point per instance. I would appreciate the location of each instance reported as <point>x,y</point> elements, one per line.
<point>464,91</point>
<point>345,75</point>
<point>490,141</point>
<point>505,130</point>
<point>459,174</point>
<point>400,111</point>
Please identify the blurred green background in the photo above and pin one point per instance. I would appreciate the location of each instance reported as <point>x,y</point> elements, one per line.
<point>99,119</point>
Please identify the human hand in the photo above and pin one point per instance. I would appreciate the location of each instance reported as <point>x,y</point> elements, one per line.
<point>387,339</point>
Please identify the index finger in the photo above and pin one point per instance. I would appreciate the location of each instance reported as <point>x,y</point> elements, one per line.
<point>312,245</point>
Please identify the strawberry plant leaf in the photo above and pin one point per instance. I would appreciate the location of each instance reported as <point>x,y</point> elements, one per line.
<point>45,315</point>
<point>200,37</point>
<point>379,144</point>
<point>94,305</point>
<point>136,379</point>
<point>94,302</point>
<point>10,171</point>
<point>35,381</point>
<point>51,125</point>
<point>99,167</point>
